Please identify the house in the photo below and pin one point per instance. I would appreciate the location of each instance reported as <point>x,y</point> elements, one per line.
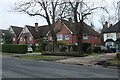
<point>67,33</point>
<point>29,34</point>
<point>112,35</point>
<point>16,32</point>
<point>2,32</point>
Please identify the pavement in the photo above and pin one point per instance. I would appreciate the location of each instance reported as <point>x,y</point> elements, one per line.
<point>88,60</point>
<point>22,68</point>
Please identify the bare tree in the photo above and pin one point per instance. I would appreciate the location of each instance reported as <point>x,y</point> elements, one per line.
<point>81,10</point>
<point>50,11</point>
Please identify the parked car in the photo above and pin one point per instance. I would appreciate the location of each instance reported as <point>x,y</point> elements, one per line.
<point>100,49</point>
<point>112,49</point>
<point>30,50</point>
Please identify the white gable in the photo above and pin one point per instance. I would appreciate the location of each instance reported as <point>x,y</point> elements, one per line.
<point>11,30</point>
<point>25,30</point>
<point>110,36</point>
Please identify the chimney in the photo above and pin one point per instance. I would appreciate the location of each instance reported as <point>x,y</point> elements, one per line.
<point>36,26</point>
<point>105,26</point>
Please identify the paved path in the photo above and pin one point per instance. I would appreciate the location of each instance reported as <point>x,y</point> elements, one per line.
<point>89,60</point>
<point>23,68</point>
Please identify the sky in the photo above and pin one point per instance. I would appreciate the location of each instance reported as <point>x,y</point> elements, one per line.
<point>7,17</point>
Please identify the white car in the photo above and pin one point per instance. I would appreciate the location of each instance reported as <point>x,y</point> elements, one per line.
<point>30,49</point>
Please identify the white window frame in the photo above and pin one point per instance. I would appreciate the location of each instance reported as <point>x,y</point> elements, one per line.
<point>67,37</point>
<point>59,37</point>
<point>85,37</point>
<point>50,37</point>
<point>21,39</point>
<point>30,38</point>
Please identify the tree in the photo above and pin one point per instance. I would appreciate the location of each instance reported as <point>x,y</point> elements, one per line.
<point>80,11</point>
<point>50,11</point>
<point>8,37</point>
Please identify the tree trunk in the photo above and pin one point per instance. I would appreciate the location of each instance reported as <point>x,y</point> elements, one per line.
<point>54,41</point>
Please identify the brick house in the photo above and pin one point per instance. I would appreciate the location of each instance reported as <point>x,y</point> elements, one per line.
<point>112,35</point>
<point>2,33</point>
<point>67,33</point>
<point>30,33</point>
<point>16,32</point>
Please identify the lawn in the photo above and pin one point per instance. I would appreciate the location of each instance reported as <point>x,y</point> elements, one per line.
<point>1,53</point>
<point>40,57</point>
<point>96,54</point>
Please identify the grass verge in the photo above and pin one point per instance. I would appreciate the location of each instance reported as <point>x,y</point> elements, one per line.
<point>113,61</point>
<point>96,54</point>
<point>39,57</point>
<point>1,53</point>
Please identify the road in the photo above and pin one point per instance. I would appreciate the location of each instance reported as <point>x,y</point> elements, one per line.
<point>23,68</point>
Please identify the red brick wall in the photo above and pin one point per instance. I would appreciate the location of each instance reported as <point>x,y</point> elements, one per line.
<point>28,37</point>
<point>73,38</point>
<point>64,31</point>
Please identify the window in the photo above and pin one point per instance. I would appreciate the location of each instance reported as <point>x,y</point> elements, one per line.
<point>30,39</point>
<point>109,35</point>
<point>50,38</point>
<point>67,37</point>
<point>20,38</point>
<point>59,37</point>
<point>13,39</point>
<point>85,37</point>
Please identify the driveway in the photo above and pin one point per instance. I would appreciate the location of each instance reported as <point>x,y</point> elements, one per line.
<point>22,68</point>
<point>88,60</point>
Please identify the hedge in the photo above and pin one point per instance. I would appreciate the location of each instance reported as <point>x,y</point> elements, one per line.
<point>14,48</point>
<point>72,54</point>
<point>85,46</point>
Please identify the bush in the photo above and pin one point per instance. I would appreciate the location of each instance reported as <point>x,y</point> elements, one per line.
<point>63,49</point>
<point>118,55</point>
<point>33,47</point>
<point>73,54</point>
<point>85,46</point>
<point>14,48</point>
<point>89,50</point>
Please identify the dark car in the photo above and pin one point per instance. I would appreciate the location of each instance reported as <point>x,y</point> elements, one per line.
<point>112,49</point>
<point>100,49</point>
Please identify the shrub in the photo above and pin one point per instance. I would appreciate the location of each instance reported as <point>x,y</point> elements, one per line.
<point>118,55</point>
<point>85,46</point>
<point>61,43</point>
<point>14,48</point>
<point>74,54</point>
<point>33,47</point>
<point>63,49</point>
<point>89,50</point>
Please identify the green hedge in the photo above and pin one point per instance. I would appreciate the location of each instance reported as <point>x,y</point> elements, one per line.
<point>14,48</point>
<point>72,54</point>
<point>85,46</point>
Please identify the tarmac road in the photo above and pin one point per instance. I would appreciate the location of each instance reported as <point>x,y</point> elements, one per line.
<point>23,68</point>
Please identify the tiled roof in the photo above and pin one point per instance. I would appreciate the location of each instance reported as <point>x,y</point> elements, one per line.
<point>17,30</point>
<point>114,28</point>
<point>42,31</point>
<point>86,28</point>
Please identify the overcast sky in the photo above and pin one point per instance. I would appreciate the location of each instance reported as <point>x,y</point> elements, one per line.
<point>8,18</point>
